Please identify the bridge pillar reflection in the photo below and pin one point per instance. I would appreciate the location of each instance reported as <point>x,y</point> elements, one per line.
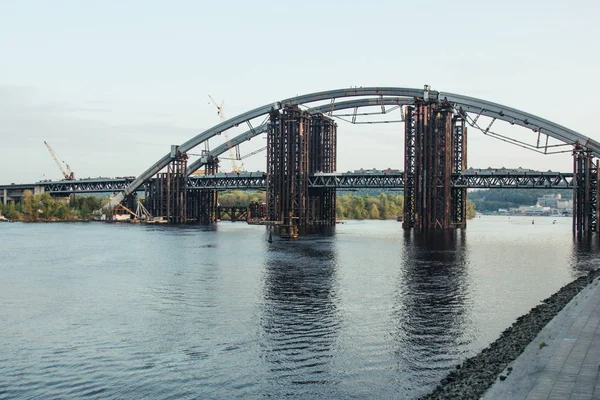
<point>435,148</point>
<point>299,144</point>
<point>585,192</point>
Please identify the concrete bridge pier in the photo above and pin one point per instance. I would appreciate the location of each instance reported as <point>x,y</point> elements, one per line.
<point>435,149</point>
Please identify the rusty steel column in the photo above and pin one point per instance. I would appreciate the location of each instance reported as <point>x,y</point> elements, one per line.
<point>409,167</point>
<point>459,164</point>
<point>167,193</point>
<point>585,192</point>
<point>209,197</point>
<point>287,169</point>
<point>322,159</point>
<point>432,153</point>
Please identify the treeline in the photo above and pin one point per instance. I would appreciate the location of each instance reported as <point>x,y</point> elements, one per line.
<point>46,208</point>
<point>493,199</point>
<point>238,198</point>
<point>384,206</point>
<point>348,206</point>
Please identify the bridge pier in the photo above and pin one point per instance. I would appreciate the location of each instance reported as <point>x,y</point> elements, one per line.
<point>202,204</point>
<point>167,194</point>
<point>322,157</point>
<point>435,148</point>
<point>586,206</point>
<point>299,144</point>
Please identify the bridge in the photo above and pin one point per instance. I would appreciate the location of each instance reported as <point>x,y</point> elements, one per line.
<point>301,177</point>
<point>484,179</point>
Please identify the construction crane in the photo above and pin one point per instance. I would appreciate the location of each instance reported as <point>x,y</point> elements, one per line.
<point>232,155</point>
<point>68,174</point>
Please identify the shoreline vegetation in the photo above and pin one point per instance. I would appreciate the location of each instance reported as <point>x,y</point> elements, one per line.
<point>45,208</point>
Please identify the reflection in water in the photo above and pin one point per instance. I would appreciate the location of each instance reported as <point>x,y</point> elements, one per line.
<point>300,320</point>
<point>124,311</point>
<point>431,307</point>
<point>584,255</point>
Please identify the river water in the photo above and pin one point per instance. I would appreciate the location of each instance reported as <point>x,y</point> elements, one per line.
<point>137,311</point>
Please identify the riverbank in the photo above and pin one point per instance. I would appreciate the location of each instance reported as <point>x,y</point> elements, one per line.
<point>475,375</point>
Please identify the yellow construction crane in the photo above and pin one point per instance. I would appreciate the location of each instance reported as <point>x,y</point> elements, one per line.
<point>68,175</point>
<point>229,147</point>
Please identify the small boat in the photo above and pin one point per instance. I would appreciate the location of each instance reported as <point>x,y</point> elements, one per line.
<point>156,220</point>
<point>400,218</point>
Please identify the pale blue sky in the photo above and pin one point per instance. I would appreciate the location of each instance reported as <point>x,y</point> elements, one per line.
<point>112,84</point>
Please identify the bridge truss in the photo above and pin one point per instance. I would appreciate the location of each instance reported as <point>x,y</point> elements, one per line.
<point>342,181</point>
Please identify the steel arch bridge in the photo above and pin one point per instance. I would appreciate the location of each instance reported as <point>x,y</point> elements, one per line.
<point>375,96</point>
<point>469,108</point>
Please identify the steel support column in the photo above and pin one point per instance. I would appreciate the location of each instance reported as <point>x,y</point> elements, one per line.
<point>410,146</point>
<point>585,192</point>
<point>209,197</point>
<point>287,169</point>
<point>167,194</point>
<point>435,148</point>
<point>459,165</point>
<point>322,159</point>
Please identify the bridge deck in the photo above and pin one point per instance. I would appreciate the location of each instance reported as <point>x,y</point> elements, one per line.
<point>368,180</point>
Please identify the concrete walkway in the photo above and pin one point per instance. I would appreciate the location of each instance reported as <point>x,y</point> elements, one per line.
<point>563,361</point>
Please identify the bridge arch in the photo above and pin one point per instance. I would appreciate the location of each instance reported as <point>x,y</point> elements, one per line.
<point>383,95</point>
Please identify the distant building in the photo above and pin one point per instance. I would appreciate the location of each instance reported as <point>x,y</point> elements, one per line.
<point>534,210</point>
<point>549,200</point>
<point>554,201</point>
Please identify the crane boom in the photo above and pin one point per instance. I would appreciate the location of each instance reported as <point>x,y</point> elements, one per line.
<point>69,175</point>
<point>229,146</point>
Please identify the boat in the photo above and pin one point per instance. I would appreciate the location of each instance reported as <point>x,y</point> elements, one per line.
<point>400,218</point>
<point>156,220</point>
<point>121,217</point>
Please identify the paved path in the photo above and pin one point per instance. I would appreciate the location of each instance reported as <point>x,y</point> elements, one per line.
<point>568,367</point>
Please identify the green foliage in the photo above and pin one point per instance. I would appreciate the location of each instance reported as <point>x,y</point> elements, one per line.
<point>471,209</point>
<point>84,206</point>
<point>44,206</point>
<point>493,199</point>
<point>383,206</point>
<point>11,211</point>
<point>238,198</point>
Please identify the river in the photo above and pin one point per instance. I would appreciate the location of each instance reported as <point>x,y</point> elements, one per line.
<point>168,312</point>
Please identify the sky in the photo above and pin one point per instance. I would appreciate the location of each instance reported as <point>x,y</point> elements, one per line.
<point>111,85</point>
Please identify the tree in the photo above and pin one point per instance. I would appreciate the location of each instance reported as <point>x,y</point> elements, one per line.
<point>374,212</point>
<point>471,209</point>
<point>29,206</point>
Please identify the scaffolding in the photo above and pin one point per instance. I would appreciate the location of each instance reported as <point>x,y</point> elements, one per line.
<point>167,194</point>
<point>435,148</point>
<point>585,192</point>
<point>322,159</point>
<point>287,169</point>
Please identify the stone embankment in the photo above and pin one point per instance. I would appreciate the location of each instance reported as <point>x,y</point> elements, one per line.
<point>475,375</point>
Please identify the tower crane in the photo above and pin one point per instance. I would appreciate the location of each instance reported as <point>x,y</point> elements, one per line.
<point>68,175</point>
<point>232,155</point>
